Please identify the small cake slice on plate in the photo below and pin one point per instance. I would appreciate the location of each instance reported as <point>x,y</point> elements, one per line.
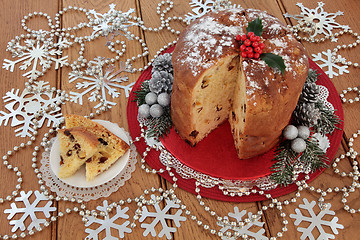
<point>77,145</point>
<point>110,149</point>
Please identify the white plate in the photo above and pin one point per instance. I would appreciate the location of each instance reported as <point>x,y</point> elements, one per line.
<point>79,178</point>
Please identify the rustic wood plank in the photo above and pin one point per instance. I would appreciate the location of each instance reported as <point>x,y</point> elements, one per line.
<point>156,41</point>
<point>11,14</point>
<point>72,225</point>
<point>328,178</point>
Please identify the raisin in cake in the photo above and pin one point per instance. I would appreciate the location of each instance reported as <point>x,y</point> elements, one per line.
<point>76,146</point>
<point>110,147</point>
<point>212,82</point>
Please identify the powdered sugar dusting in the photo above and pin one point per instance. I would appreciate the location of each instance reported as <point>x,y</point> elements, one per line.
<point>252,83</point>
<point>278,42</point>
<point>207,39</point>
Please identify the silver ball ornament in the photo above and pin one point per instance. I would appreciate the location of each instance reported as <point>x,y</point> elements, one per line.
<point>144,111</point>
<point>303,132</point>
<point>163,99</point>
<point>151,98</point>
<point>290,132</point>
<point>156,110</point>
<point>298,145</point>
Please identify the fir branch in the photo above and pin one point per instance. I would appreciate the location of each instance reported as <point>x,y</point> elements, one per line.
<point>159,127</point>
<point>283,169</point>
<point>141,93</point>
<point>312,76</point>
<point>327,121</point>
<point>312,159</point>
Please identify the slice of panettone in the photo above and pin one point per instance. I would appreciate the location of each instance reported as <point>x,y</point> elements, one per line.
<point>77,145</point>
<point>110,149</point>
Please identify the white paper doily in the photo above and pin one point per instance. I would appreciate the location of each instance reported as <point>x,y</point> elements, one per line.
<point>207,181</point>
<point>86,193</point>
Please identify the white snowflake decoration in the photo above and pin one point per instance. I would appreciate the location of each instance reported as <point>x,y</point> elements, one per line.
<point>30,209</point>
<point>161,216</point>
<point>97,79</point>
<point>24,107</point>
<point>316,221</point>
<point>201,7</point>
<point>329,64</point>
<point>324,22</point>
<point>37,52</point>
<point>106,23</point>
<point>259,235</point>
<point>108,223</point>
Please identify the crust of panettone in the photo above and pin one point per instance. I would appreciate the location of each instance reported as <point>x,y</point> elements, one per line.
<point>76,120</point>
<point>270,96</point>
<point>81,131</point>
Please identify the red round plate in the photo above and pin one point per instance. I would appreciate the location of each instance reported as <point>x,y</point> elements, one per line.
<point>216,156</point>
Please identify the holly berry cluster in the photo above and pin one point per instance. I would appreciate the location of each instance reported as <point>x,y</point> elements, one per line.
<point>251,46</point>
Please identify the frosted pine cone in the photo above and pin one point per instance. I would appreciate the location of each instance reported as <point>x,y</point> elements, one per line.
<point>161,81</point>
<point>163,63</point>
<point>309,93</point>
<point>305,114</point>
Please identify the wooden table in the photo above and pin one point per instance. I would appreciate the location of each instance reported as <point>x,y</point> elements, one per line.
<point>71,226</point>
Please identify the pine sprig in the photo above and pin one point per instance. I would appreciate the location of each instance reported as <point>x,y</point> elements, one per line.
<point>141,93</point>
<point>327,121</point>
<point>312,159</point>
<point>312,76</point>
<point>159,127</point>
<point>283,169</point>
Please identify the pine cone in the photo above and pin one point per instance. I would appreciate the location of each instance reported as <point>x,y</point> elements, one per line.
<point>309,93</point>
<point>306,114</point>
<point>161,81</point>
<point>312,76</point>
<point>163,63</point>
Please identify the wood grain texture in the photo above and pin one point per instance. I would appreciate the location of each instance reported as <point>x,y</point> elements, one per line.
<point>71,226</point>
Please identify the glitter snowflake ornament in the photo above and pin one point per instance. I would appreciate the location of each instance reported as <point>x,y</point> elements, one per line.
<point>161,216</point>
<point>316,221</point>
<point>29,210</point>
<point>333,69</point>
<point>24,108</point>
<point>201,7</point>
<point>247,229</point>
<point>108,223</point>
<point>112,23</point>
<point>324,22</point>
<point>36,54</point>
<point>99,81</point>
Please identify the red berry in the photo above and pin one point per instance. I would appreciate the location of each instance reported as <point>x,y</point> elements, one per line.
<point>258,38</point>
<point>247,42</point>
<point>242,47</point>
<point>250,34</point>
<point>260,52</point>
<point>249,49</point>
<point>253,38</point>
<point>257,49</point>
<point>243,37</point>
<point>251,55</point>
<point>238,37</point>
<point>256,55</point>
<point>244,54</point>
<point>255,44</point>
<point>261,45</point>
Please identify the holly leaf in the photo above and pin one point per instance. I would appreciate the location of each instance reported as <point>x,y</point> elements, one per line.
<point>255,27</point>
<point>274,61</point>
